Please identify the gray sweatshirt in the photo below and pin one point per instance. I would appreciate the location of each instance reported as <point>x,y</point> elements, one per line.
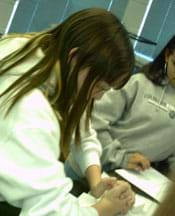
<point>138,118</point>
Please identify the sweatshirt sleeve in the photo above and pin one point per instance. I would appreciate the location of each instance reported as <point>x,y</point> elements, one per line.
<point>107,112</point>
<point>31,177</point>
<point>90,150</point>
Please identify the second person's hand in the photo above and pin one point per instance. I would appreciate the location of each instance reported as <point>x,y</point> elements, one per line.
<point>138,162</point>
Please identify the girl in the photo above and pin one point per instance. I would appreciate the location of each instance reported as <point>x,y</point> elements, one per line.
<point>136,124</point>
<point>47,81</point>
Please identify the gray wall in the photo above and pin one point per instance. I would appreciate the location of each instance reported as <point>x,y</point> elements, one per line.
<point>159,26</point>
<point>36,15</point>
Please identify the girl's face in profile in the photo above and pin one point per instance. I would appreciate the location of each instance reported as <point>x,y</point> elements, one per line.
<point>170,60</point>
<point>100,87</point>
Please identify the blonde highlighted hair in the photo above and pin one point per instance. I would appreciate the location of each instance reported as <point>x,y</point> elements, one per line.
<point>103,46</point>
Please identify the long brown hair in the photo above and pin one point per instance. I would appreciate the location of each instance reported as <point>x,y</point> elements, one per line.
<point>154,71</point>
<point>102,45</point>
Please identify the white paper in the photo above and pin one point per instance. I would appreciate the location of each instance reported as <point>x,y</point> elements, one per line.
<point>150,181</point>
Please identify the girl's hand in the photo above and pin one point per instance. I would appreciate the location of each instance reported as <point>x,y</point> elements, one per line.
<point>138,162</point>
<point>129,195</point>
<point>119,199</point>
<point>105,184</point>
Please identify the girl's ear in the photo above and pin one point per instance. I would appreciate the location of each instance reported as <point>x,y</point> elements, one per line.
<point>72,53</point>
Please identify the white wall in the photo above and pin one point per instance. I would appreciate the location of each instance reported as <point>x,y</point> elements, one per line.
<point>6,7</point>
